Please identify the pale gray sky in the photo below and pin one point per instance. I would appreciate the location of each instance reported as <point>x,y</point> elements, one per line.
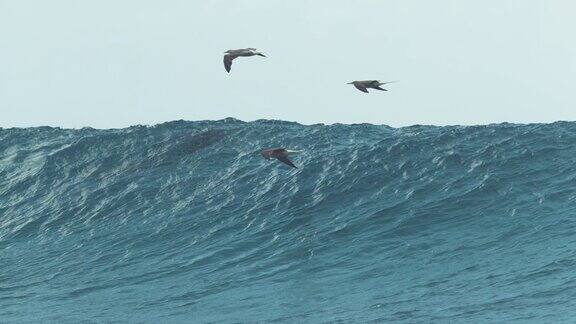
<point>112,63</point>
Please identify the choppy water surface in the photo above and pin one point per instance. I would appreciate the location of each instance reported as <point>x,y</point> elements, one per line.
<point>185,222</point>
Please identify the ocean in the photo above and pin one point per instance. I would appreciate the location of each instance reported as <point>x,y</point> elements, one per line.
<point>185,222</point>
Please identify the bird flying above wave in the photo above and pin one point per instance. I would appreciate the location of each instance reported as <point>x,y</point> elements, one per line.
<point>279,153</point>
<point>369,84</point>
<point>232,54</point>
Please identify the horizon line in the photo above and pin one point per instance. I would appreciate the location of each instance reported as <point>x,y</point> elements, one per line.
<point>280,121</point>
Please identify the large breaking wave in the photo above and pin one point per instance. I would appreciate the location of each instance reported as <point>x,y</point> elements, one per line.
<point>185,222</point>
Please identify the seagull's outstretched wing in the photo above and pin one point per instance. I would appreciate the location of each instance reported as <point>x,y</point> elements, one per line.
<point>228,62</point>
<point>287,161</point>
<point>360,87</point>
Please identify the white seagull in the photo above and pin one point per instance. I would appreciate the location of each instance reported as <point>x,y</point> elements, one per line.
<point>232,54</point>
<point>372,84</point>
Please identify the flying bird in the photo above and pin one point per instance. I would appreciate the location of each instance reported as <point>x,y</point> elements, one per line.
<point>232,54</point>
<point>279,153</point>
<point>372,84</point>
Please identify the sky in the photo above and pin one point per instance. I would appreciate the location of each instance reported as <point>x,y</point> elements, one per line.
<point>110,63</point>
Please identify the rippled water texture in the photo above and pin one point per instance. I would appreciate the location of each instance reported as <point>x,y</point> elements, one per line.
<point>186,222</point>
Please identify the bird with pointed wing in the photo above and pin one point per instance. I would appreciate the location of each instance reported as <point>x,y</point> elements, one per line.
<point>369,84</point>
<point>230,55</point>
<point>280,154</point>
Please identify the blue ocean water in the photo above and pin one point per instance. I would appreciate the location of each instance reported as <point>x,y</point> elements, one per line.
<point>185,222</point>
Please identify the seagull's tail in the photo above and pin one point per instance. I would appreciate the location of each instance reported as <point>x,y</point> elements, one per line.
<point>381,83</point>
<point>294,151</point>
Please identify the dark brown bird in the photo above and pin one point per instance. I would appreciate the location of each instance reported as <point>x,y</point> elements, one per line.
<point>372,84</point>
<point>279,153</point>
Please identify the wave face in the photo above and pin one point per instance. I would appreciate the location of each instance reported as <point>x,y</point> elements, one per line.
<point>186,222</point>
